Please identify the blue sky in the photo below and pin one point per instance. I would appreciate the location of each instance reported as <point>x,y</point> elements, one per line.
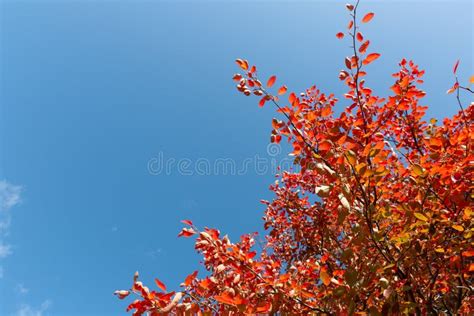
<point>93,92</point>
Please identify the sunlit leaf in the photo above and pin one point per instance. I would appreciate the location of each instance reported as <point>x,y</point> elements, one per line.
<point>187,222</point>
<point>271,81</point>
<point>160,285</point>
<point>324,276</point>
<point>368,17</point>
<point>282,90</point>
<point>421,217</point>
<point>370,58</point>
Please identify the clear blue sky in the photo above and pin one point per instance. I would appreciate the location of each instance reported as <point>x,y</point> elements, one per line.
<point>91,91</point>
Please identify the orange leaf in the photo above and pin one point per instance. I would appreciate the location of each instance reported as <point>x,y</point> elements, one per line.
<point>292,98</point>
<point>453,88</point>
<point>264,307</point>
<point>471,80</point>
<point>370,58</point>
<point>340,35</point>
<point>271,81</point>
<point>190,278</point>
<point>325,277</point>
<point>282,90</point>
<point>242,64</point>
<point>225,298</point>
<point>368,17</point>
<point>324,145</point>
<point>468,253</point>
<point>160,285</point>
<point>350,25</point>
<point>326,111</point>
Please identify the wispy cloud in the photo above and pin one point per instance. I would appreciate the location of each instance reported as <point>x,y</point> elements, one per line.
<point>10,195</point>
<point>28,310</point>
<point>154,253</point>
<point>5,250</point>
<point>20,288</point>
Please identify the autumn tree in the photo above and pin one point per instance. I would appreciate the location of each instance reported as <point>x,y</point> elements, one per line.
<point>377,220</point>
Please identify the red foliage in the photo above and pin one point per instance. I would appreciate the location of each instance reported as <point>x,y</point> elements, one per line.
<point>378,219</point>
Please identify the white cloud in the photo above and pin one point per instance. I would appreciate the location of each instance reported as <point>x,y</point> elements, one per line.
<point>20,288</point>
<point>27,310</point>
<point>5,250</point>
<point>154,253</point>
<point>10,195</point>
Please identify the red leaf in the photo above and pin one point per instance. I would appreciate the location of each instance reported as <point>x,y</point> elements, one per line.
<point>271,81</point>
<point>370,58</point>
<point>340,35</point>
<point>237,77</point>
<point>453,88</point>
<point>225,298</point>
<point>359,37</point>
<point>368,17</point>
<point>264,307</point>
<point>160,285</point>
<point>186,232</point>
<point>350,25</point>
<point>364,46</point>
<point>282,90</point>
<point>324,146</point>
<point>348,63</point>
<point>242,64</point>
<point>187,222</point>
<point>122,294</point>
<point>262,102</point>
<point>190,278</point>
<point>292,98</point>
<point>275,139</point>
<point>455,68</point>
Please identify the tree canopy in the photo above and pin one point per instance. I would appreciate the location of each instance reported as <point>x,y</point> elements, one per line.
<point>377,219</point>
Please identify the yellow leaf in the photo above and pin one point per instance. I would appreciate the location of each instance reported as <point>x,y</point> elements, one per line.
<point>421,217</point>
<point>351,157</point>
<point>441,250</point>
<point>417,169</point>
<point>459,228</point>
